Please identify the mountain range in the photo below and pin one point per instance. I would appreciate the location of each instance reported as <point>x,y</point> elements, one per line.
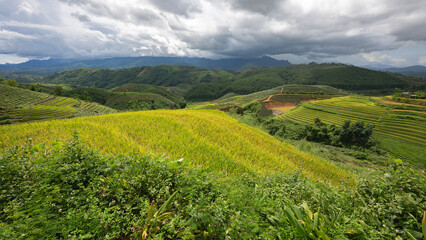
<point>415,71</point>
<point>45,67</point>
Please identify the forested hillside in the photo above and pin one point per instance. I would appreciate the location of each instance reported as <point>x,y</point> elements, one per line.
<point>205,84</point>
<point>130,97</point>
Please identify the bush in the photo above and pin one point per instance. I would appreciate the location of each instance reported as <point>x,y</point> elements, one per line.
<point>356,134</point>
<point>12,83</point>
<point>70,191</point>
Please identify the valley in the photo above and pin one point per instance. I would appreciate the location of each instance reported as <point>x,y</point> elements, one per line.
<point>213,154</point>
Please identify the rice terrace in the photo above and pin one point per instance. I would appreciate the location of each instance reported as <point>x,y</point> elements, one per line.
<point>212,120</point>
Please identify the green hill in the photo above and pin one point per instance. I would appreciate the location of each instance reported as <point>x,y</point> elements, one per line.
<point>295,90</point>
<point>336,75</point>
<point>210,84</point>
<point>13,97</point>
<point>160,76</point>
<point>292,88</point>
<point>22,78</point>
<point>131,97</point>
<point>22,105</point>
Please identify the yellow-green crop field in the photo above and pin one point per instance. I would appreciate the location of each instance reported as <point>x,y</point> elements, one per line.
<point>25,105</point>
<point>407,128</point>
<point>206,138</point>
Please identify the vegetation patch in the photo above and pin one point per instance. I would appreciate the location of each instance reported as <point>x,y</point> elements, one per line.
<point>70,191</point>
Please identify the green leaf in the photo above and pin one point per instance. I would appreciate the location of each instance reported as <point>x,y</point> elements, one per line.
<point>410,234</point>
<point>424,225</point>
<point>166,204</point>
<point>399,161</point>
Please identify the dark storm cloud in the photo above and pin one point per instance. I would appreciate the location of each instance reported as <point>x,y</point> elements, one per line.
<point>263,7</point>
<point>80,17</point>
<point>245,28</point>
<point>122,13</point>
<point>179,7</point>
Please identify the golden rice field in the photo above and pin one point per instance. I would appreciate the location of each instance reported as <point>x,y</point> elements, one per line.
<point>207,138</point>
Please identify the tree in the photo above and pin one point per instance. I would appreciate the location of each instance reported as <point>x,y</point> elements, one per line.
<point>349,134</point>
<point>12,83</point>
<point>58,91</point>
<point>35,87</point>
<point>397,94</point>
<point>1,80</point>
<point>86,96</point>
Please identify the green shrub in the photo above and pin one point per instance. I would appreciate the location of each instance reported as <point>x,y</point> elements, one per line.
<point>70,191</point>
<point>5,122</point>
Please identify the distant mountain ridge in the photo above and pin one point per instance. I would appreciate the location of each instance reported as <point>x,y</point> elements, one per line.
<point>45,67</point>
<point>416,71</point>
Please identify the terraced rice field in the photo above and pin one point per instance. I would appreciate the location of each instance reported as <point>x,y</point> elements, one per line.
<point>282,109</point>
<point>50,108</point>
<point>387,123</point>
<point>22,105</point>
<point>206,138</point>
<point>12,97</point>
<point>95,109</point>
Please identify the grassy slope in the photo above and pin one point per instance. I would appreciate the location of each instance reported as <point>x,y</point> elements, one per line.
<point>209,139</point>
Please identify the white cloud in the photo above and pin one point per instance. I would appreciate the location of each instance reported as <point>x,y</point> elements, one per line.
<point>375,57</point>
<point>422,60</point>
<point>10,35</point>
<point>11,58</point>
<point>28,7</point>
<point>310,29</point>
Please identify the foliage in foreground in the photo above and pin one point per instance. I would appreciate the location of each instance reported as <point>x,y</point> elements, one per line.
<point>74,192</point>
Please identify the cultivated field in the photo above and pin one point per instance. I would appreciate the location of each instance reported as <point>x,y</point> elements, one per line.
<point>208,139</point>
<point>21,105</point>
<point>12,97</point>
<point>388,123</point>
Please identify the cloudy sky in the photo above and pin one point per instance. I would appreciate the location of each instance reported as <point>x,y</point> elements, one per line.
<point>360,32</point>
